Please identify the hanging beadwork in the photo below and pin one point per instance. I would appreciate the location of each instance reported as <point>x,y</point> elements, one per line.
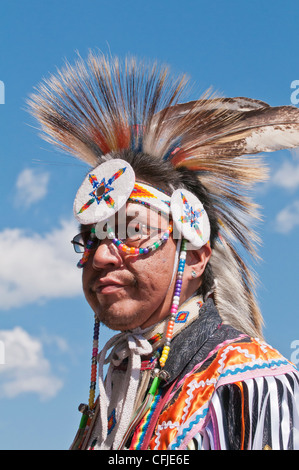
<point>88,249</point>
<point>94,361</point>
<point>88,410</point>
<point>175,304</point>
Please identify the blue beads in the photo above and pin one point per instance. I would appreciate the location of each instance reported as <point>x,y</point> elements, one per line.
<point>181,266</point>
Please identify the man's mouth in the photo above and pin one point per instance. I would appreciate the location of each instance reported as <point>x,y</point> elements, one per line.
<point>108,286</point>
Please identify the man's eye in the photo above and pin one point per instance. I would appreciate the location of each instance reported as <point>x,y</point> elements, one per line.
<point>140,231</point>
<point>134,231</point>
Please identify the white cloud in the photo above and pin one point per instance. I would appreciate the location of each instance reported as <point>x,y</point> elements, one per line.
<point>288,218</point>
<point>287,176</point>
<point>25,368</point>
<point>59,343</point>
<point>38,267</point>
<point>32,186</point>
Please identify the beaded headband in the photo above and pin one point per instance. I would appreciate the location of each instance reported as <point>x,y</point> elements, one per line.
<point>109,186</point>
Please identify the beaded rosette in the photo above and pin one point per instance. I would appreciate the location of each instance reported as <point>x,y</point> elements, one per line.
<point>112,184</point>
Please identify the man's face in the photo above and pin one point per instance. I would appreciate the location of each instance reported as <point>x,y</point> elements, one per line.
<point>127,291</point>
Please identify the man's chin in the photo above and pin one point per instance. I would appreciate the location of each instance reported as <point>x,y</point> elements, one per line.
<point>118,317</point>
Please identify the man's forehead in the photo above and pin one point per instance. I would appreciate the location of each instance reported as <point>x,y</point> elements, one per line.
<point>133,211</point>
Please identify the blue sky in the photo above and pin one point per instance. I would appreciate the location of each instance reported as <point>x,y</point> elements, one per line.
<point>241,49</point>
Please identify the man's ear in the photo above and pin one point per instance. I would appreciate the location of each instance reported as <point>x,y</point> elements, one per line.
<point>197,260</point>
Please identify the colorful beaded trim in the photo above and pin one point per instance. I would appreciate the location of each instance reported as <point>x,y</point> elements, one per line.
<point>122,246</point>
<point>139,251</point>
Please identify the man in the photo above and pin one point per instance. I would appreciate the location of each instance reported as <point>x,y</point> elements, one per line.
<point>163,212</point>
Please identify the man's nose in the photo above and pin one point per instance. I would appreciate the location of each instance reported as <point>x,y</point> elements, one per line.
<point>106,254</point>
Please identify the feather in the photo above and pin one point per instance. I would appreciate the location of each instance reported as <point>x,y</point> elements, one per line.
<point>96,109</point>
<point>92,109</point>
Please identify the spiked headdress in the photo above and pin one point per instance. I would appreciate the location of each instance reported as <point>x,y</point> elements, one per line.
<point>98,109</point>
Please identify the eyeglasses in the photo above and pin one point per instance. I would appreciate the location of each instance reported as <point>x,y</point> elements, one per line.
<point>79,242</point>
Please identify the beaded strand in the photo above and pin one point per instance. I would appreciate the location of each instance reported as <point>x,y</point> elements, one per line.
<point>88,248</point>
<point>94,360</point>
<point>122,246</point>
<point>88,410</point>
<point>175,304</point>
<point>139,251</point>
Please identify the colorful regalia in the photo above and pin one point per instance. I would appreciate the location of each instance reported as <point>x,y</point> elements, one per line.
<point>227,394</point>
<point>203,378</point>
<point>224,391</point>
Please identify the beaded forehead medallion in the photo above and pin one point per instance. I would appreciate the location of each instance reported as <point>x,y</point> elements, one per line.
<point>108,187</point>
